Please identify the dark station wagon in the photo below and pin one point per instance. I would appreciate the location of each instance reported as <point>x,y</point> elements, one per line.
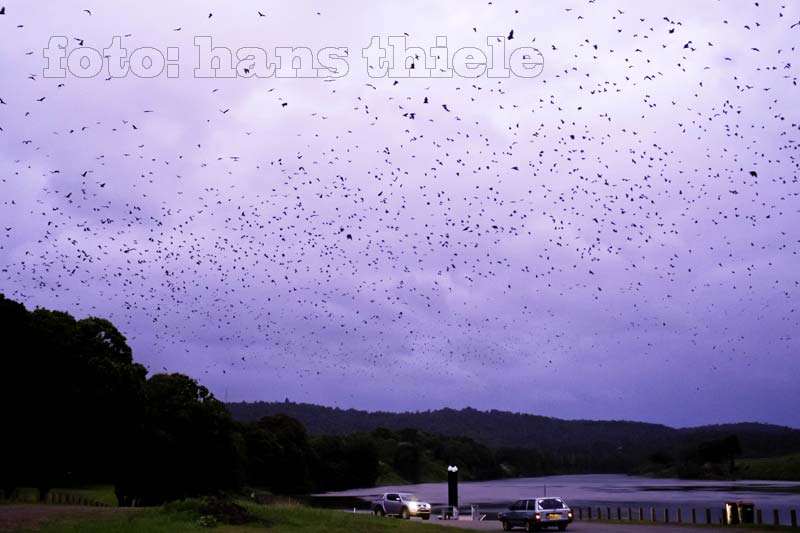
<point>536,513</point>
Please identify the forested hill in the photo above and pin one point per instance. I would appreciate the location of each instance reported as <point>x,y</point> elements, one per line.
<point>506,429</point>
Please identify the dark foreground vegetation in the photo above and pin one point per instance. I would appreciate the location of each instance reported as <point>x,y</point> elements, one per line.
<point>78,410</point>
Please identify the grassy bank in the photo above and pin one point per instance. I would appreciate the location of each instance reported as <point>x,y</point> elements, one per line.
<point>783,468</point>
<point>780,468</point>
<point>278,518</point>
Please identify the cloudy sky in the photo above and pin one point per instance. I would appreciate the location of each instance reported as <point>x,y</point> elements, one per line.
<point>615,238</point>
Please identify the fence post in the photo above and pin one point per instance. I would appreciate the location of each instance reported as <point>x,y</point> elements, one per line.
<point>666,515</point>
<point>619,514</point>
<point>630,515</point>
<point>652,514</point>
<point>793,517</point>
<point>776,521</point>
<point>641,514</point>
<point>599,513</point>
<point>608,513</point>
<point>708,516</point>
<point>589,511</point>
<point>694,515</point>
<point>680,516</point>
<point>580,513</point>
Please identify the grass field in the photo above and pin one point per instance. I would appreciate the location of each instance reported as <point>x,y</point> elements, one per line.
<point>278,518</point>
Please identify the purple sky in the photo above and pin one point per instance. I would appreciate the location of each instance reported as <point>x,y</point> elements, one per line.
<point>616,238</point>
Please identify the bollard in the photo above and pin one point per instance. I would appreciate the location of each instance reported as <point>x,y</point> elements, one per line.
<point>694,515</point>
<point>793,517</point>
<point>759,517</point>
<point>708,516</point>
<point>680,516</point>
<point>641,514</point>
<point>652,514</point>
<point>776,521</point>
<point>608,513</point>
<point>619,514</point>
<point>630,515</point>
<point>666,515</point>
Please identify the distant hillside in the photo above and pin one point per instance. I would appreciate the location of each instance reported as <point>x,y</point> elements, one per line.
<point>502,429</point>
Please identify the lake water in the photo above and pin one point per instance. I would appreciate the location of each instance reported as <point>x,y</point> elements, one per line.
<point>605,490</point>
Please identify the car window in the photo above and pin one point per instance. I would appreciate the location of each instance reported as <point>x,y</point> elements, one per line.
<point>550,503</point>
<point>518,505</point>
<point>392,497</point>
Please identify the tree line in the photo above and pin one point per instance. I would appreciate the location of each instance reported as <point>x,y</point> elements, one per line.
<point>504,429</point>
<point>78,409</point>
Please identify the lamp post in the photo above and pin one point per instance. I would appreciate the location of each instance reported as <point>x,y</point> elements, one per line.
<point>452,489</point>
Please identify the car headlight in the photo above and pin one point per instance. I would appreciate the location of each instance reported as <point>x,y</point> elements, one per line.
<point>412,506</point>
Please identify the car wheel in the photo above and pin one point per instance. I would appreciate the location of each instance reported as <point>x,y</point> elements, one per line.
<point>404,514</point>
<point>506,526</point>
<point>533,527</point>
<point>562,527</point>
<point>379,512</point>
<point>426,517</point>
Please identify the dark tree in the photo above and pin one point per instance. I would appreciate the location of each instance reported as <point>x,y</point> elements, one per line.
<point>188,446</point>
<point>289,470</point>
<point>73,398</point>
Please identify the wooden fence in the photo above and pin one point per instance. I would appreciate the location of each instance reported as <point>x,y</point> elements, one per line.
<point>66,498</point>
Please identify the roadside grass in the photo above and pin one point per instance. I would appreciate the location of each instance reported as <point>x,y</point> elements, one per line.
<point>275,518</point>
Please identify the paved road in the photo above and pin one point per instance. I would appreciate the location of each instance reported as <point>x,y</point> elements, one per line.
<point>593,527</point>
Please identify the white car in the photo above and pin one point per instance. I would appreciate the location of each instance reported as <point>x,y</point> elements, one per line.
<point>401,504</point>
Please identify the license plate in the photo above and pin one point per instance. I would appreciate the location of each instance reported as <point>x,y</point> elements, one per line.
<point>554,516</point>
